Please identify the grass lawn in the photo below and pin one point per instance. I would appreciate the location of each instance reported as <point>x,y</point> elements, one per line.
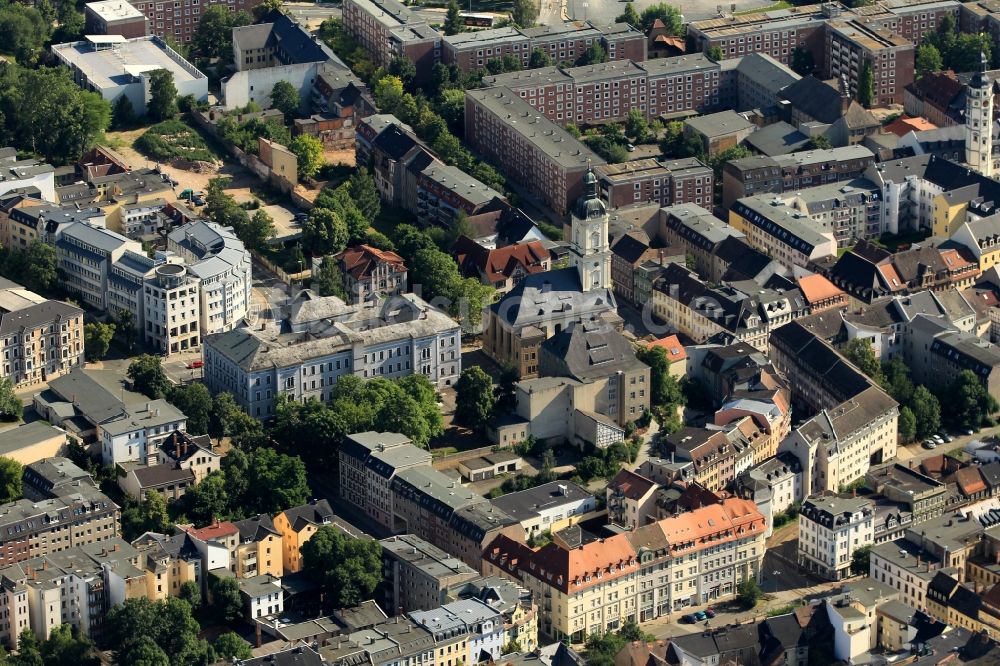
<point>781,4</point>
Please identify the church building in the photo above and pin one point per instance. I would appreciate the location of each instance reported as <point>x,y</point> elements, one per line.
<point>544,304</point>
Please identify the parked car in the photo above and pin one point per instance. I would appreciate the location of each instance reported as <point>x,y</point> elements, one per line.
<point>690,618</point>
<point>970,432</point>
<point>195,364</point>
<point>937,438</point>
<point>301,217</point>
<point>629,147</point>
<point>710,612</point>
<point>198,201</point>
<point>929,444</point>
<point>946,437</point>
<point>701,615</point>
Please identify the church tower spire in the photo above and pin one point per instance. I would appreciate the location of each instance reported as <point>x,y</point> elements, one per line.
<point>589,250</point>
<point>979,121</point>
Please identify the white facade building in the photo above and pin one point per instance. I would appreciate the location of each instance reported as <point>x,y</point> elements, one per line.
<point>136,435</point>
<point>171,309</point>
<point>830,530</point>
<point>400,336</point>
<point>979,121</point>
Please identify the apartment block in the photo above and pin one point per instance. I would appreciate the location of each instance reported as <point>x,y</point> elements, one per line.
<point>39,339</point>
<point>605,92</point>
<point>596,585</point>
<point>439,509</point>
<point>891,58</point>
<point>830,530</point>
<point>776,34</point>
<point>30,529</point>
<point>446,193</point>
<point>368,463</point>
<point>695,230</point>
<point>370,272</point>
<point>387,29</point>
<point>472,49</point>
<point>259,551</point>
<point>296,526</point>
<point>781,232</point>
<point>666,182</point>
<point>418,574</point>
<point>507,130</point>
<point>394,338</point>
<point>548,507</point>
<point>795,171</point>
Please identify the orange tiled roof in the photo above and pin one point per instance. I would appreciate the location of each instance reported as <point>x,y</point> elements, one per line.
<point>954,260</point>
<point>891,276</point>
<point>214,531</point>
<point>732,518</point>
<point>902,126</point>
<point>499,264</point>
<point>817,288</point>
<point>672,344</point>
<point>970,481</point>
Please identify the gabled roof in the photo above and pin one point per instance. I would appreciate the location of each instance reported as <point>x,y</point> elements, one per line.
<point>315,513</point>
<point>498,264</point>
<point>360,261</point>
<point>630,248</point>
<point>631,485</point>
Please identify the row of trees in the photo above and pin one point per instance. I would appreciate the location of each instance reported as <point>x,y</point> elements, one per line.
<point>342,215</point>
<point>42,111</point>
<point>945,48</point>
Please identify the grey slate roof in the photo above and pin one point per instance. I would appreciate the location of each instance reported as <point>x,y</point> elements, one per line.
<point>590,350</point>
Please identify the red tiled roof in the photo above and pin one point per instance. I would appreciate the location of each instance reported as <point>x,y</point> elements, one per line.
<point>360,260</point>
<point>498,264</point>
<point>970,481</point>
<point>672,344</point>
<point>214,531</point>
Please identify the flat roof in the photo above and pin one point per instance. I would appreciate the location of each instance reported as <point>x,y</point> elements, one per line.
<point>28,434</point>
<point>110,67</point>
<point>114,10</point>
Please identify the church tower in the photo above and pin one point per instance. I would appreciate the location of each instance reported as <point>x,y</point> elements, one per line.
<point>589,250</point>
<point>979,121</point>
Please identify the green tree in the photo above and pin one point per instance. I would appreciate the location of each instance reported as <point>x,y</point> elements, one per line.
<point>57,119</point>
<point>365,194</point>
<point>540,58</point>
<point>636,125</point>
<point>309,153</point>
<point>285,98</point>
<point>162,95</point>
<point>969,403</point>
<point>630,16</point>
<point>818,142</point>
<point>147,376</point>
<point>594,54</point>
<point>861,560</point>
<point>969,47</point>
<point>524,13</point>
<point>11,486</point>
<point>123,113</point>
<point>715,53</point>
<point>803,62</point>
<point>897,380</point>
<point>453,21</point>
<point>664,388</point>
<point>859,351</point>
<point>214,36</point>
<point>265,8</point>
<point>926,410</point>
<point>229,420</point>
<point>226,599</point>
<point>11,407</point>
<point>195,402</point>
<point>29,650</point>
<point>66,647</point>
<point>275,481</point>
<point>41,267</point>
<point>330,280</point>
<point>145,632</point>
<point>866,84</point>
<point>71,24</point>
<point>23,31</point>
<point>349,569</point>
<point>97,340</point>
<point>324,232</point>
<point>669,14</point>
<point>231,646</point>
<point>748,593</point>
<point>928,60</point>
<point>258,230</point>
<point>404,68</point>
<point>190,592</point>
<point>474,398</point>
<point>907,424</point>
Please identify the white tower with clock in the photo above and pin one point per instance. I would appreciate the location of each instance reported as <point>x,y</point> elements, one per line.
<point>979,121</point>
<point>590,253</point>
